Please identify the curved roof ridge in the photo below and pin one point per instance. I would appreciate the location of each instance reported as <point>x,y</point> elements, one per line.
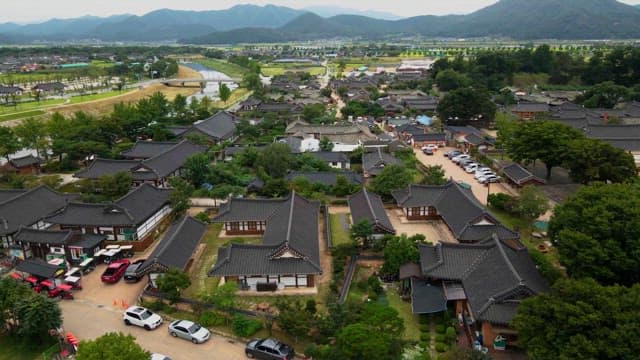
<point>29,192</point>
<point>503,253</point>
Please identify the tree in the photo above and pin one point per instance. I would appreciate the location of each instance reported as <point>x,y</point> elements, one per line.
<point>11,293</point>
<point>343,187</point>
<point>252,81</point>
<point>596,232</point>
<point>293,318</point>
<point>223,297</point>
<point>9,142</point>
<point>115,186</point>
<point>179,197</point>
<point>465,105</point>
<point>313,111</point>
<point>112,346</point>
<point>434,175</point>
<point>326,144</point>
<point>592,160</point>
<point>547,141</point>
<point>580,320</point>
<point>357,341</point>
<point>32,134</point>
<point>275,159</point>
<point>604,95</point>
<point>197,169</point>
<point>399,251</point>
<point>36,315</point>
<point>532,202</point>
<point>449,79</point>
<point>172,282</point>
<point>362,231</point>
<point>224,92</point>
<point>393,177</point>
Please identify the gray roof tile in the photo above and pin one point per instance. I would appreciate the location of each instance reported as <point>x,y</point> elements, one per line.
<point>220,126</point>
<point>368,206</point>
<point>374,162</point>
<point>147,149</point>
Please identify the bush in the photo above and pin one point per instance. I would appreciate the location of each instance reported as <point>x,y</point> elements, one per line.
<point>424,327</point>
<point>211,318</point>
<point>372,295</point>
<point>547,270</point>
<point>344,251</point>
<point>339,202</point>
<point>440,338</point>
<point>362,286</point>
<point>440,329</point>
<point>450,334</point>
<point>501,201</point>
<point>374,284</point>
<point>424,319</point>
<point>425,337</point>
<point>245,327</point>
<point>441,347</point>
<point>157,305</point>
<point>204,217</point>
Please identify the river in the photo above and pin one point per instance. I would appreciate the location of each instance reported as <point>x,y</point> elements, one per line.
<point>211,90</point>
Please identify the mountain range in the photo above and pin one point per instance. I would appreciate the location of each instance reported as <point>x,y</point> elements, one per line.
<point>515,19</point>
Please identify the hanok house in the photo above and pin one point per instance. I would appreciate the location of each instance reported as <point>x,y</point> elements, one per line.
<point>217,128</point>
<point>529,111</point>
<point>143,150</point>
<point>25,165</point>
<point>289,255</point>
<point>374,162</point>
<point>155,170</point>
<point>336,160</point>
<point>467,219</point>
<point>29,209</point>
<point>456,135</point>
<point>63,244</point>
<point>520,176</point>
<point>7,92</point>
<point>424,139</point>
<point>368,206</point>
<point>176,248</point>
<point>486,281</point>
<point>54,87</point>
<point>130,220</point>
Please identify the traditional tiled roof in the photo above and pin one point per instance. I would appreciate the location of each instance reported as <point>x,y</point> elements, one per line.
<point>531,107</point>
<point>242,209</point>
<point>176,247</point>
<point>29,235</point>
<point>475,139</point>
<point>374,162</point>
<point>178,131</point>
<point>147,149</point>
<point>462,130</point>
<point>29,207</point>
<point>10,90</point>
<point>221,126</point>
<point>439,137</point>
<point>330,156</point>
<point>171,159</point>
<point>58,86</point>
<point>25,161</point>
<point>461,211</point>
<point>326,177</point>
<point>427,298</point>
<point>130,210</point>
<point>6,194</point>
<point>495,276</point>
<point>519,174</point>
<point>38,267</point>
<point>368,206</point>
<point>290,244</point>
<point>101,167</point>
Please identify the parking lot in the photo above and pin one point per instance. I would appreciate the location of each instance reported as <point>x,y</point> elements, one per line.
<point>458,174</point>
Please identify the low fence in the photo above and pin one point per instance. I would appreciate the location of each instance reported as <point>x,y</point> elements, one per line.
<point>327,226</point>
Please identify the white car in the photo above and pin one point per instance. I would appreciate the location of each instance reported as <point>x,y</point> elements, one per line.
<point>458,158</point>
<point>143,317</point>
<point>480,173</point>
<point>489,179</point>
<point>470,168</point>
<point>433,147</point>
<point>157,356</point>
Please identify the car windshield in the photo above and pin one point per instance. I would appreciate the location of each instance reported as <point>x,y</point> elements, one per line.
<point>110,271</point>
<point>146,314</point>
<point>194,328</point>
<point>284,349</point>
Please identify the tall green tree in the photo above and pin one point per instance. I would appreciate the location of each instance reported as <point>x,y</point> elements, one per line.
<point>596,232</point>
<point>197,169</point>
<point>449,79</point>
<point>36,315</point>
<point>11,293</point>
<point>393,177</point>
<point>398,251</point>
<point>590,160</point>
<point>434,175</point>
<point>463,105</point>
<point>32,134</point>
<point>9,142</point>
<point>223,296</point>
<point>604,95</point>
<point>326,144</point>
<point>532,202</point>
<point>172,283</point>
<point>275,159</point>
<point>546,141</point>
<point>180,196</point>
<point>581,320</point>
<point>224,92</point>
<point>112,346</point>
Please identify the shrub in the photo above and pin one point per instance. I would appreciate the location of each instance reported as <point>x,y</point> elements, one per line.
<point>245,327</point>
<point>203,216</point>
<point>425,337</point>
<point>440,338</point>
<point>424,319</point>
<point>441,347</point>
<point>362,286</point>
<point>374,284</point>
<point>501,201</point>
<point>211,318</point>
<point>425,327</point>
<point>450,334</point>
<point>546,268</point>
<point>440,329</point>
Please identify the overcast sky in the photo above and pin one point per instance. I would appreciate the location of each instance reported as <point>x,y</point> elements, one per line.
<point>37,10</point>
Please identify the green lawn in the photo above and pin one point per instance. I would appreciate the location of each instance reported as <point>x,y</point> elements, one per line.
<point>237,95</point>
<point>338,234</point>
<point>227,68</point>
<point>200,282</point>
<point>14,349</point>
<point>411,321</point>
<point>279,69</point>
<point>20,115</point>
<point>33,105</point>
<point>92,97</point>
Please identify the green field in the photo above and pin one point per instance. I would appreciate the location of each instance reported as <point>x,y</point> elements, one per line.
<point>92,97</point>
<point>338,234</point>
<point>237,95</point>
<point>225,67</point>
<point>20,115</point>
<point>33,105</point>
<point>411,320</point>
<point>279,69</point>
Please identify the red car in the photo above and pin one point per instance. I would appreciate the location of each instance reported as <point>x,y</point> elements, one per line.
<point>114,271</point>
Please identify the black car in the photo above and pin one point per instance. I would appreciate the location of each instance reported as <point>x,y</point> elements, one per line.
<point>268,349</point>
<point>130,275</point>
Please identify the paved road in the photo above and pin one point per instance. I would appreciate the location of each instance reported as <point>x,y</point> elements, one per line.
<point>88,321</point>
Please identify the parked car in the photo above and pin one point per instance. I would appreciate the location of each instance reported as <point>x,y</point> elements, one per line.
<point>433,147</point>
<point>427,151</point>
<point>465,162</point>
<point>115,271</point>
<point>268,349</point>
<point>471,168</point>
<point>130,275</point>
<point>489,179</point>
<point>452,153</point>
<point>157,356</point>
<point>189,330</point>
<point>461,157</point>
<point>143,317</point>
<point>480,173</point>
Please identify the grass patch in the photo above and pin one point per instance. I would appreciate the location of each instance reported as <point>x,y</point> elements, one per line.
<point>280,69</point>
<point>20,115</point>
<point>16,349</point>
<point>92,97</point>
<point>411,320</point>
<point>338,234</point>
<point>200,281</point>
<point>27,106</point>
<point>225,67</point>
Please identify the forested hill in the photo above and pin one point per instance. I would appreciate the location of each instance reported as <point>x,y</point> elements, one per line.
<point>517,19</point>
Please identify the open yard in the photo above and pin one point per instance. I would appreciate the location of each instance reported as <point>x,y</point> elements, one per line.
<point>411,321</point>
<point>340,229</point>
